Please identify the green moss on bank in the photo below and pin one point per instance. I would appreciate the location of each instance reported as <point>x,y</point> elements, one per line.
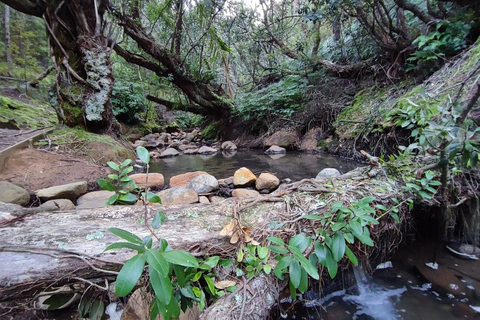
<point>14,113</point>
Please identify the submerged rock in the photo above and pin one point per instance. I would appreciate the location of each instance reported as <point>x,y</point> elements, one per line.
<point>12,193</point>
<point>66,191</point>
<point>243,177</point>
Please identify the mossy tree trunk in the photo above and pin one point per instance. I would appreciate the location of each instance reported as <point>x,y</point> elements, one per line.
<point>81,57</point>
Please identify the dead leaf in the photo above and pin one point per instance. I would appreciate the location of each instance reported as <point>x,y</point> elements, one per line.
<point>228,229</point>
<point>235,237</point>
<point>224,284</point>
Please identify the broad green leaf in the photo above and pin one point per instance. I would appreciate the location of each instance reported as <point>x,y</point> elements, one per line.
<point>210,285</point>
<point>267,268</point>
<point>56,301</point>
<point>130,198</point>
<point>325,257</point>
<point>129,274</point>
<point>262,252</point>
<point>303,287</point>
<point>212,261</point>
<point>197,276</point>
<point>158,262</point>
<point>182,258</point>
<point>338,225</point>
<point>113,165</point>
<point>277,249</point>
<point>225,263</point>
<point>338,246</point>
<point>161,285</point>
<point>370,219</point>
<point>113,199</point>
<point>356,226</point>
<point>381,207</point>
<point>187,291</point>
<point>105,185</point>
<point>295,273</point>
<point>152,197</point>
<point>364,237</point>
<point>311,270</point>
<point>127,179</point>
<point>282,265</point>
<point>125,245</point>
<point>112,176</point>
<point>126,163</point>
<point>300,241</point>
<point>349,237</point>
<point>395,217</point>
<point>366,200</point>
<point>130,237</point>
<point>147,242</point>
<point>158,220</point>
<point>351,256</point>
<point>98,308</point>
<point>276,240</point>
<point>126,171</point>
<point>143,154</point>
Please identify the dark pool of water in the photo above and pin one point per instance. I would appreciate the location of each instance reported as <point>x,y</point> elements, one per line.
<point>293,165</point>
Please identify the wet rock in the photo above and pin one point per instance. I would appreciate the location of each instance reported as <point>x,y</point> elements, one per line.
<point>286,139</point>
<point>243,177</point>
<point>207,150</point>
<point>273,150</point>
<point>328,173</point>
<point>203,183</point>
<point>12,193</point>
<point>139,143</point>
<point>170,152</point>
<point>178,195</point>
<point>443,279</point>
<point>244,193</point>
<point>66,191</point>
<point>267,181</point>
<point>228,146</point>
<point>154,154</point>
<point>191,135</point>
<point>150,137</point>
<point>190,151</point>
<point>225,183</point>
<point>182,180</point>
<point>154,179</point>
<point>94,199</point>
<point>58,204</point>
<point>203,199</point>
<point>184,147</point>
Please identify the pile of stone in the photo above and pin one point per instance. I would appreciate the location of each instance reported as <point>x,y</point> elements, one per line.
<point>186,188</point>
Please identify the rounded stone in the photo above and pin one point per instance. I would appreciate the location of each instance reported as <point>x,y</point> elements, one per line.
<point>328,173</point>
<point>154,179</point>
<point>244,177</point>
<point>267,181</point>
<point>178,195</point>
<point>203,183</point>
<point>12,193</point>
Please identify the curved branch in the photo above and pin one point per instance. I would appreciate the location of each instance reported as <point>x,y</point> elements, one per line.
<point>31,7</point>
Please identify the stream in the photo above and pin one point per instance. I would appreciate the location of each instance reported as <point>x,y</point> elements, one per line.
<point>294,165</point>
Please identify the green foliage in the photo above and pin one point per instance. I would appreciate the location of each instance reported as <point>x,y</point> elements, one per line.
<point>279,100</point>
<point>21,115</point>
<point>255,259</point>
<point>120,183</point>
<point>128,101</point>
<point>187,120</point>
<point>210,132</point>
<point>423,188</point>
<point>447,39</point>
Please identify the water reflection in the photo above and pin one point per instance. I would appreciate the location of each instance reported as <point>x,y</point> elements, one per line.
<point>293,165</point>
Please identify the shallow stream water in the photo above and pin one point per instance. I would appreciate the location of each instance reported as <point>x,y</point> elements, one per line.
<point>293,165</point>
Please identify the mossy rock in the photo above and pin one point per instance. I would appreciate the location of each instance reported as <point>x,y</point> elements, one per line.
<point>94,147</point>
<point>20,115</point>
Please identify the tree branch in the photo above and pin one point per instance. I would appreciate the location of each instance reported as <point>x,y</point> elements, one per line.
<point>31,7</point>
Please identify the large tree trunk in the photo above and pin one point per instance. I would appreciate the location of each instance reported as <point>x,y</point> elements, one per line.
<point>8,49</point>
<point>81,58</point>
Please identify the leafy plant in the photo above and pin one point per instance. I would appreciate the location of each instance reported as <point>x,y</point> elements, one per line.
<point>128,101</point>
<point>120,183</point>
<point>255,258</point>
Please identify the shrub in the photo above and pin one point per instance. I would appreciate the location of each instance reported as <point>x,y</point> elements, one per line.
<point>128,101</point>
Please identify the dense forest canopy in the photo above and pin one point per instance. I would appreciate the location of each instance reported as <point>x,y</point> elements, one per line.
<point>214,57</point>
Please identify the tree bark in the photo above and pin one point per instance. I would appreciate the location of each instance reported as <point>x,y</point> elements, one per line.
<point>8,49</point>
<point>81,57</point>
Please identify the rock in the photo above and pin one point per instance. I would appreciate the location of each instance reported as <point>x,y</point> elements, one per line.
<point>243,177</point>
<point>139,143</point>
<point>286,139</point>
<point>328,173</point>
<point>310,140</point>
<point>58,204</point>
<point>228,146</point>
<point>216,199</point>
<point>443,279</point>
<point>203,183</point>
<point>12,193</point>
<point>94,199</point>
<point>6,217</point>
<point>207,150</point>
<point>154,154</point>
<point>267,181</point>
<point>178,195</point>
<point>191,135</point>
<point>225,183</point>
<point>153,144</point>
<point>150,137</point>
<point>170,152</point>
<point>185,147</point>
<point>66,191</point>
<point>154,179</point>
<point>182,180</point>
<point>275,150</point>
<point>203,199</point>
<point>245,193</point>
<point>190,151</point>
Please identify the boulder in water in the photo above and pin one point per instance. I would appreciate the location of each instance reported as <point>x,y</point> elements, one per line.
<point>275,150</point>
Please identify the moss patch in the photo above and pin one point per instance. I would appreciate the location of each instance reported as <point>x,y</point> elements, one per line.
<point>14,113</point>
<point>94,147</point>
